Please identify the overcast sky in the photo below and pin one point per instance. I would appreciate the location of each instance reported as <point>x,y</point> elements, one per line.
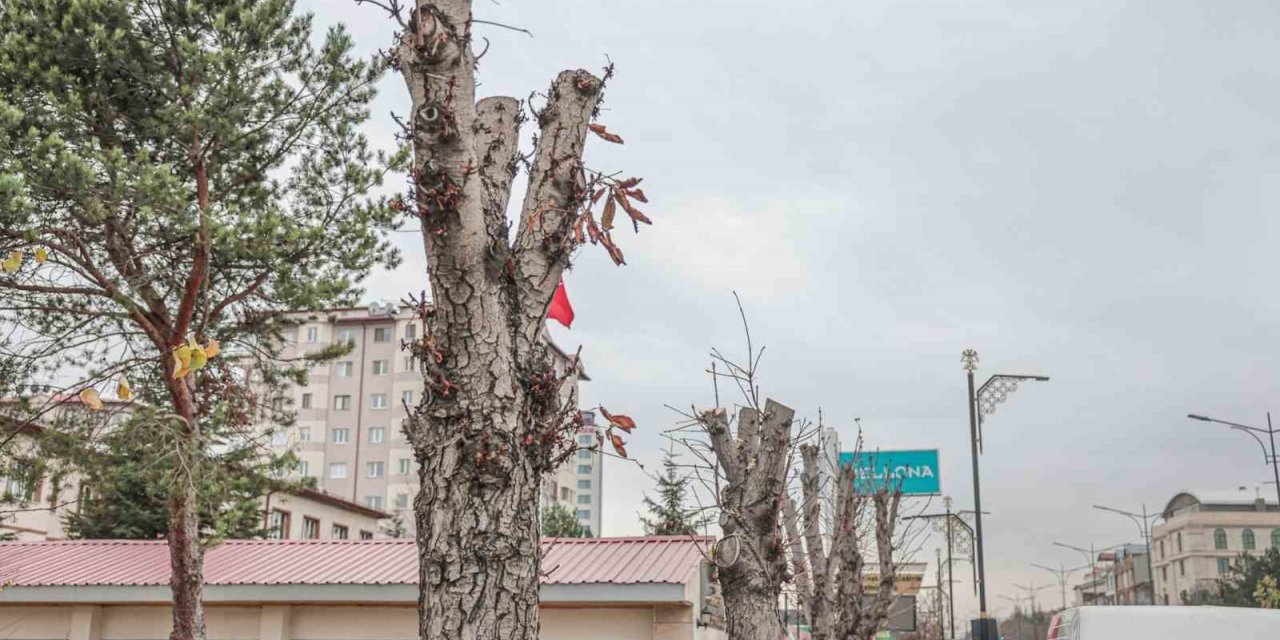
<point>1079,189</point>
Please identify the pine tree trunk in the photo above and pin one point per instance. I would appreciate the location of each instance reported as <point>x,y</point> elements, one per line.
<point>186,557</point>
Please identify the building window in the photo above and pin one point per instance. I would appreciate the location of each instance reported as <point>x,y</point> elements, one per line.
<point>1224,565</point>
<point>306,401</point>
<point>338,470</point>
<point>19,485</point>
<point>310,528</point>
<point>1275,538</point>
<point>584,484</point>
<point>381,367</point>
<point>402,501</point>
<point>344,369</point>
<point>339,532</point>
<point>377,435</point>
<point>585,440</point>
<point>1164,574</point>
<point>1250,543</point>
<point>584,454</point>
<point>378,401</point>
<point>410,331</point>
<point>304,468</point>
<point>313,334</point>
<point>1179,542</point>
<point>403,466</point>
<point>564,493</point>
<point>278,525</point>
<point>584,499</point>
<point>1161,549</point>
<point>304,434</point>
<point>342,403</point>
<point>382,334</point>
<point>373,502</point>
<point>347,336</point>
<point>1219,539</point>
<point>406,397</point>
<point>366,535</point>
<point>408,363</point>
<point>279,438</point>
<point>1182,567</point>
<point>374,469</point>
<point>584,468</point>
<point>584,514</point>
<point>341,436</point>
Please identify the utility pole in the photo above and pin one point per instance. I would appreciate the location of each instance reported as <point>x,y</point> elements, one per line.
<point>983,402</point>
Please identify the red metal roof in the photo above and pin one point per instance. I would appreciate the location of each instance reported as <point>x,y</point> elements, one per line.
<point>659,559</point>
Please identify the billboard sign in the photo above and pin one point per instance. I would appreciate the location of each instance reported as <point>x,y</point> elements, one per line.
<point>915,471</point>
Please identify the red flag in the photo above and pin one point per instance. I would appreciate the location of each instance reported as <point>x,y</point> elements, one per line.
<point>561,311</point>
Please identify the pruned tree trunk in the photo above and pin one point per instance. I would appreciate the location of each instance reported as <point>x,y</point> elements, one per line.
<point>492,420</point>
<point>838,604</point>
<point>753,564</point>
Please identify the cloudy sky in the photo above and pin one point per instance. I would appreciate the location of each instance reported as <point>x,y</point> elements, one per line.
<point>1081,189</point>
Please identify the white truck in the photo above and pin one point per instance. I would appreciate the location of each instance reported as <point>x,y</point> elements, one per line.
<point>1165,623</point>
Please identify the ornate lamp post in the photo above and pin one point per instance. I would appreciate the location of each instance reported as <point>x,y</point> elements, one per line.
<point>1061,573</point>
<point>959,535</point>
<point>983,402</point>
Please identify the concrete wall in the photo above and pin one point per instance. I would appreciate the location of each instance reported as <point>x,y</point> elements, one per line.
<point>330,622</point>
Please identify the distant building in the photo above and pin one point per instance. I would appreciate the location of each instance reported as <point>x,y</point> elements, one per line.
<point>588,475</point>
<point>1132,576</point>
<point>1202,534</point>
<point>348,433</point>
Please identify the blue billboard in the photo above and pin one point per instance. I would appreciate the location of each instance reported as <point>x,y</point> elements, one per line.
<point>915,472</point>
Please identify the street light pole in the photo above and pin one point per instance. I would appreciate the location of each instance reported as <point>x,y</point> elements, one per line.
<point>1144,525</point>
<point>952,520</point>
<point>1269,458</point>
<point>1090,556</point>
<point>951,600</point>
<point>1061,574</point>
<point>983,402</point>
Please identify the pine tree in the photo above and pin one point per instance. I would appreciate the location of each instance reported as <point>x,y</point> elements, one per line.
<point>559,521</point>
<point>174,177</point>
<point>668,515</point>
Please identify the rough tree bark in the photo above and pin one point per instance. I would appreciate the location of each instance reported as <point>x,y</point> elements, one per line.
<point>491,421</point>
<point>834,595</point>
<point>750,555</point>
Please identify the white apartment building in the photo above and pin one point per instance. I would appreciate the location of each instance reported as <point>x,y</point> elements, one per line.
<point>588,476</point>
<point>37,505</point>
<point>1202,534</point>
<point>348,434</point>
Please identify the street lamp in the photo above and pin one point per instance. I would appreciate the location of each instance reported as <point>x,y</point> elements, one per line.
<point>1143,521</point>
<point>1268,458</point>
<point>954,525</point>
<point>1061,574</point>
<point>1091,556</point>
<point>983,402</point>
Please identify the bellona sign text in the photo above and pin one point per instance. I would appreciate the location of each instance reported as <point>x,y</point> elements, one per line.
<point>915,472</point>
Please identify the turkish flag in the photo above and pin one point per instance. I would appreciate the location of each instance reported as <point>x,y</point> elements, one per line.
<point>561,311</point>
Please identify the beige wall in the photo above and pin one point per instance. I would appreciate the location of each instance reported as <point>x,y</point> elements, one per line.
<point>1197,562</point>
<point>330,622</point>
